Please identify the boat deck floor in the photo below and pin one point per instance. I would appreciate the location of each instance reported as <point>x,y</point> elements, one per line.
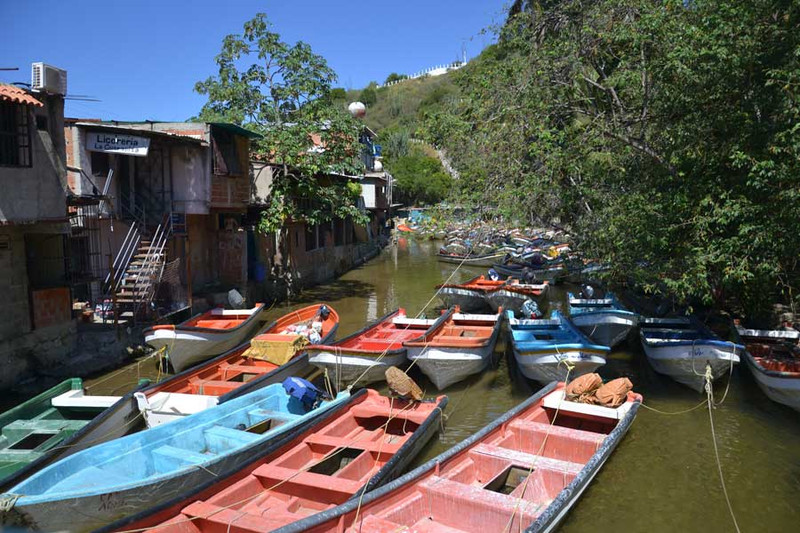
<point>323,470</point>
<point>222,378</point>
<point>23,441</point>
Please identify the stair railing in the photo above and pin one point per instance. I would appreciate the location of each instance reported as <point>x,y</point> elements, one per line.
<point>152,266</point>
<point>122,259</point>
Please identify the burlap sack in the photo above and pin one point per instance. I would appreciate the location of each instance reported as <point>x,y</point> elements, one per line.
<point>614,393</point>
<point>581,389</point>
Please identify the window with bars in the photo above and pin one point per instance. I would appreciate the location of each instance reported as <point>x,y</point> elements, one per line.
<point>15,135</point>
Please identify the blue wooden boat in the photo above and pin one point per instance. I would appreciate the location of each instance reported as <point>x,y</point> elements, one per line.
<point>604,320</point>
<point>94,487</point>
<point>545,348</point>
<point>682,347</point>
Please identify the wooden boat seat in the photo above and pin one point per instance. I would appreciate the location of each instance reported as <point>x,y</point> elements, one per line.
<point>370,446</point>
<point>563,443</point>
<point>165,458</point>
<point>272,474</point>
<point>217,324</point>
<point>229,371</point>
<point>220,439</point>
<point>491,510</point>
<point>212,387</point>
<point>526,459</point>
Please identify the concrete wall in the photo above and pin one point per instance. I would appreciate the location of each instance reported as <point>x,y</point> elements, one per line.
<point>38,190</point>
<point>13,284</point>
<point>45,356</point>
<point>190,179</point>
<point>261,181</point>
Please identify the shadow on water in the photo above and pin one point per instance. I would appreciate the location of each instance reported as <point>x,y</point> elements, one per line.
<point>334,291</point>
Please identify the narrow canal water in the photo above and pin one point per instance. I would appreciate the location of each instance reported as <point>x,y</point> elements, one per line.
<point>662,478</point>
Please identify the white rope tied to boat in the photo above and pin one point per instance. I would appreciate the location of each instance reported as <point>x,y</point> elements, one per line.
<point>710,399</point>
<point>7,502</point>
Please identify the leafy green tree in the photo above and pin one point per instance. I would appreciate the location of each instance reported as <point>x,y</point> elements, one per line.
<point>394,76</point>
<point>664,137</point>
<point>419,179</point>
<point>369,96</point>
<point>283,92</point>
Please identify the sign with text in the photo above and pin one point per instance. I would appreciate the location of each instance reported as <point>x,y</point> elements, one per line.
<point>114,143</point>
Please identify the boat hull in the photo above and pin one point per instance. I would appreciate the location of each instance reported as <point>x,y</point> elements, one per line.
<point>608,328</point>
<point>186,349</point>
<point>446,366</point>
<point>513,300</point>
<point>785,390</point>
<point>345,368</point>
<point>484,261</point>
<point>467,299</point>
<point>685,362</point>
<point>547,365</point>
<point>551,275</point>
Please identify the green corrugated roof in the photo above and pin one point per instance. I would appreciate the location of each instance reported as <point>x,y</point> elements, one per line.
<point>233,128</point>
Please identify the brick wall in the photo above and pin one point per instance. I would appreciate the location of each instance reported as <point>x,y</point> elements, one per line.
<point>230,191</point>
<point>51,306</point>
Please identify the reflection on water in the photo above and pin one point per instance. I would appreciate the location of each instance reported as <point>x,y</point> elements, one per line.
<point>663,476</point>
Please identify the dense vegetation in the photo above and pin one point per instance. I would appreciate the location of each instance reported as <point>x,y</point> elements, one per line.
<point>399,114</point>
<point>663,135</point>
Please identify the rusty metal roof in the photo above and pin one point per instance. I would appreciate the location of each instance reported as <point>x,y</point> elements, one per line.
<point>9,93</point>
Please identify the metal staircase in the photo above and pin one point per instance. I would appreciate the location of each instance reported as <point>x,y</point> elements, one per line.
<point>137,270</point>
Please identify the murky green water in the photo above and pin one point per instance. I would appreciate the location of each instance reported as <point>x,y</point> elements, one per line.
<point>662,478</point>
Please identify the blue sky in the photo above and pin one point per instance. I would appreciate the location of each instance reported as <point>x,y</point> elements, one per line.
<point>141,59</point>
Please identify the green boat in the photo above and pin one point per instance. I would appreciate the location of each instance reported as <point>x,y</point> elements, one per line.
<point>32,429</point>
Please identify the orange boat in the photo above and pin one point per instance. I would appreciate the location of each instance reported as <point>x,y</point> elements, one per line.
<point>461,346</point>
<point>239,371</point>
<point>364,356</point>
<point>480,293</point>
<point>524,471</point>
<point>340,456</point>
<point>204,336</point>
<point>470,295</point>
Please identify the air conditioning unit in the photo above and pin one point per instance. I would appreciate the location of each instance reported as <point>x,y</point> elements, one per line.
<point>48,79</point>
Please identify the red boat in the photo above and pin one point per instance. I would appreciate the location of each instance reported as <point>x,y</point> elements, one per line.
<point>524,471</point>
<point>364,356</point>
<point>338,457</point>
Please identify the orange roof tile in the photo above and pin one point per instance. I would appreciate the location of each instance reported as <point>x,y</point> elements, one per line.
<point>9,93</point>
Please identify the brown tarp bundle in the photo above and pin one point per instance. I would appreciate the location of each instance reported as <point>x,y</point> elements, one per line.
<point>589,388</point>
<point>614,393</point>
<point>582,388</point>
<point>401,384</point>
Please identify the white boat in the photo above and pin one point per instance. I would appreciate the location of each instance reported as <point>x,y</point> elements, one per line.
<point>545,349</point>
<point>459,347</point>
<point>603,320</point>
<point>204,336</point>
<point>513,295</point>
<point>364,356</point>
<point>682,347</point>
<point>773,357</point>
